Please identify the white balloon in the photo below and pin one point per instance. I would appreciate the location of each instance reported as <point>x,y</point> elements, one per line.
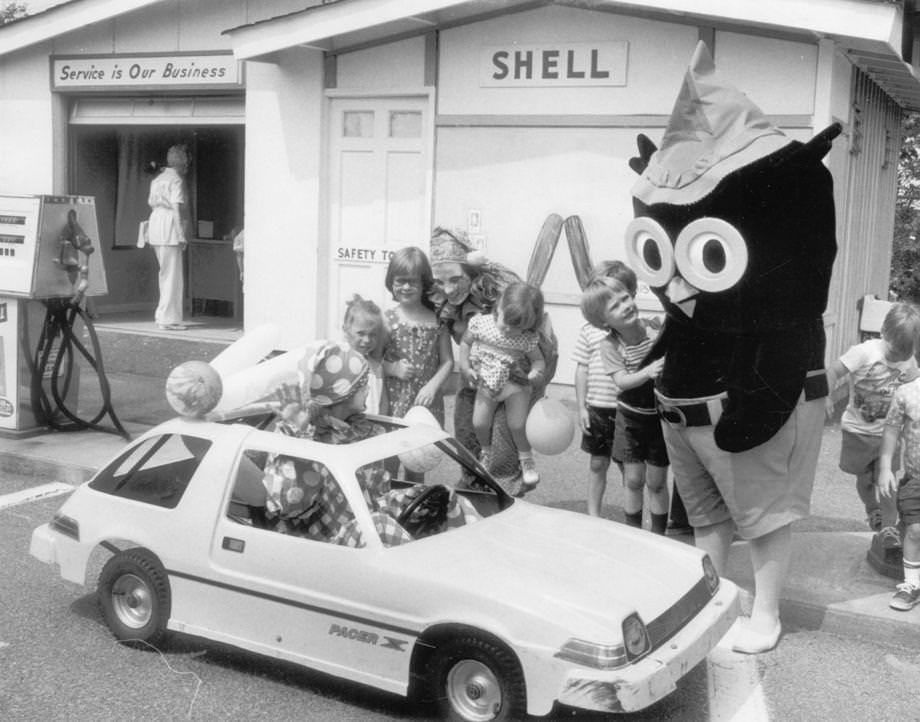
<point>549,427</point>
<point>421,460</point>
<point>427,457</point>
<point>422,416</point>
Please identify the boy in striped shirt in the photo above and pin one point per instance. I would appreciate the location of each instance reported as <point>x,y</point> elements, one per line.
<point>596,394</point>
<point>638,441</point>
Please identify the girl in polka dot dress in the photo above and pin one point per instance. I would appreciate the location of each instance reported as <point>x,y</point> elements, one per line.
<point>418,358</point>
<point>491,355</point>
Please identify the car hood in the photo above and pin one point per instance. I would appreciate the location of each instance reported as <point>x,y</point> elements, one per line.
<point>559,566</point>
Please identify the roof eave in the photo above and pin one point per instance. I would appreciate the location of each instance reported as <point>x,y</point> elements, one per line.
<point>61,19</point>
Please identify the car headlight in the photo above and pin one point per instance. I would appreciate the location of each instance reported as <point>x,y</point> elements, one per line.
<point>609,656</point>
<point>635,637</point>
<point>710,574</point>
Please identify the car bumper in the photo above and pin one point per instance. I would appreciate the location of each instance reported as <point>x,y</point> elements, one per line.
<point>52,547</point>
<point>655,676</point>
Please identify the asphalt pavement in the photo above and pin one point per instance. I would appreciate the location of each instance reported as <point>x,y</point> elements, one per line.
<point>831,586</point>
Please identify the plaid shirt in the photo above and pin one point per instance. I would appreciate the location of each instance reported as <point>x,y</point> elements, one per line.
<point>305,499</point>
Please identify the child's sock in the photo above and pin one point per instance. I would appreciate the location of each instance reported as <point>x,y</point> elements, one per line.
<point>659,522</point>
<point>485,457</point>
<point>634,519</point>
<point>912,573</point>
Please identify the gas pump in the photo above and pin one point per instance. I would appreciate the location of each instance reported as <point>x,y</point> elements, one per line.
<point>48,268</point>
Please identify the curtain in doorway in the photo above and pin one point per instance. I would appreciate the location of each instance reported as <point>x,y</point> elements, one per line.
<point>134,155</point>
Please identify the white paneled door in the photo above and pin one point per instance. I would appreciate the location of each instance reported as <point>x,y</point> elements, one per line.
<point>380,199</point>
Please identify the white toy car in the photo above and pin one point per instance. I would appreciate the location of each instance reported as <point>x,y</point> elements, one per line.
<point>505,610</point>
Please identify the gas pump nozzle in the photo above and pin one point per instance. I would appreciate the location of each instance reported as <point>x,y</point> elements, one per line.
<point>73,242</point>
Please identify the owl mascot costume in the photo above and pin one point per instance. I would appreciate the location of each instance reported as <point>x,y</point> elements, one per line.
<point>734,233</point>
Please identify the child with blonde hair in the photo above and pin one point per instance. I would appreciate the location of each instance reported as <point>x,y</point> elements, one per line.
<point>493,345</point>
<point>874,370</point>
<point>365,330</point>
<point>638,442</point>
<point>596,393</point>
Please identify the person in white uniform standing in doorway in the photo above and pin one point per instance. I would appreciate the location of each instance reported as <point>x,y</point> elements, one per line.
<point>168,234</point>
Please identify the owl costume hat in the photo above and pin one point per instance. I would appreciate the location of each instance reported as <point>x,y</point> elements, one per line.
<point>735,234</point>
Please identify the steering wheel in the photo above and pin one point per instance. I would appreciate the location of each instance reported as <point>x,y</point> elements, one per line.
<point>425,513</point>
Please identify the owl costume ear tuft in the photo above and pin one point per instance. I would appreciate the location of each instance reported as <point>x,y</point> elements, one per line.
<point>646,150</point>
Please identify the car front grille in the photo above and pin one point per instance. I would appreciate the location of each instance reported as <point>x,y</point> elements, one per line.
<point>662,628</point>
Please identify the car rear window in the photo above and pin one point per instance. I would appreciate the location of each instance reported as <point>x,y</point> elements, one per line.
<point>156,471</point>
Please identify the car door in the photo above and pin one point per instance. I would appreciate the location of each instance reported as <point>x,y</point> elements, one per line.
<point>304,598</point>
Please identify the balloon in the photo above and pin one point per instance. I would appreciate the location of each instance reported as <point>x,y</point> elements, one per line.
<point>427,457</point>
<point>421,415</point>
<point>247,351</point>
<point>193,388</point>
<point>423,459</point>
<point>549,427</point>
<point>256,382</point>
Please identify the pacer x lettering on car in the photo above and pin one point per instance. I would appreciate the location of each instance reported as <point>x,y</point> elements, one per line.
<point>362,635</point>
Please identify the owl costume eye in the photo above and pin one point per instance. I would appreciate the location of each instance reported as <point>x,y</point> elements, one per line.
<point>649,251</point>
<point>710,253</point>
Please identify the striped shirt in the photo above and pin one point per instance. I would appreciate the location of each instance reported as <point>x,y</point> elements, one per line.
<point>602,391</point>
<point>617,356</point>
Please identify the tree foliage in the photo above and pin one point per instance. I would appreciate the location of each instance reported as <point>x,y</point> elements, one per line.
<point>905,250</point>
<point>10,11</point>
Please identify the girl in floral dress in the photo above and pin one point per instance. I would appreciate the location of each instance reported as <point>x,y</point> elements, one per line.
<point>418,358</point>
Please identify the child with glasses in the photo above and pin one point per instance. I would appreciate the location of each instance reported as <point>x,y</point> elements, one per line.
<point>418,358</point>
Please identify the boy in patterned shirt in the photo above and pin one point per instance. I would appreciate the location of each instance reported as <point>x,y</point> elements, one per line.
<point>903,424</point>
<point>875,369</point>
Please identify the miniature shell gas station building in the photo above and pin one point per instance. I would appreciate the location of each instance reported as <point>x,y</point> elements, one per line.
<point>338,132</point>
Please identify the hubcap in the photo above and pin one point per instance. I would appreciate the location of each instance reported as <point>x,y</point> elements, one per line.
<point>132,601</point>
<point>474,691</point>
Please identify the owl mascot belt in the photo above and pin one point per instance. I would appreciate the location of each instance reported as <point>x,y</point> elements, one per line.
<point>734,232</point>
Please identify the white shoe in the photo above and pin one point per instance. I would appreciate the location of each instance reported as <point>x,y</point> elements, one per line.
<point>529,473</point>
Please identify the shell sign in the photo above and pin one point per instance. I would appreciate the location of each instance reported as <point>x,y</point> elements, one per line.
<point>556,64</point>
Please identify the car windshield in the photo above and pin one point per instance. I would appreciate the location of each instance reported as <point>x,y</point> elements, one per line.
<point>428,490</point>
<point>156,471</point>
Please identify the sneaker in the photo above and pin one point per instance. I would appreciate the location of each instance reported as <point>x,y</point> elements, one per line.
<point>874,519</point>
<point>906,598</point>
<point>529,473</point>
<point>889,538</point>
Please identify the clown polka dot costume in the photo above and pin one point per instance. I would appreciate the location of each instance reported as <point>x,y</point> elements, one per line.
<point>335,372</point>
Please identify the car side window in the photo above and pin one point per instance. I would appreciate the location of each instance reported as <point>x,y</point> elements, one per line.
<point>293,495</point>
<point>156,471</point>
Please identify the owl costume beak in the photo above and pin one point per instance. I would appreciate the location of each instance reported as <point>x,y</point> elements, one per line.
<point>682,294</point>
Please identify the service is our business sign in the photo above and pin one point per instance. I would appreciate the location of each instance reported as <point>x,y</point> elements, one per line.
<point>77,73</point>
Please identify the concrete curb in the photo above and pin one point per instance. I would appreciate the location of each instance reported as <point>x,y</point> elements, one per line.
<point>832,588</point>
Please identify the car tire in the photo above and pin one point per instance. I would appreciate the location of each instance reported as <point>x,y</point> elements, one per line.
<point>472,679</point>
<point>134,596</point>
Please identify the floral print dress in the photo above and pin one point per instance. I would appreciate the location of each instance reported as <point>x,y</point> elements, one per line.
<point>418,343</point>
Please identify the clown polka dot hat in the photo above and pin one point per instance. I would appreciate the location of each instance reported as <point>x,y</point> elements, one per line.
<point>335,372</point>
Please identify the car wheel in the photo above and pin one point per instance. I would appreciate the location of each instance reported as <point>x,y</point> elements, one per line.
<point>134,596</point>
<point>473,679</point>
